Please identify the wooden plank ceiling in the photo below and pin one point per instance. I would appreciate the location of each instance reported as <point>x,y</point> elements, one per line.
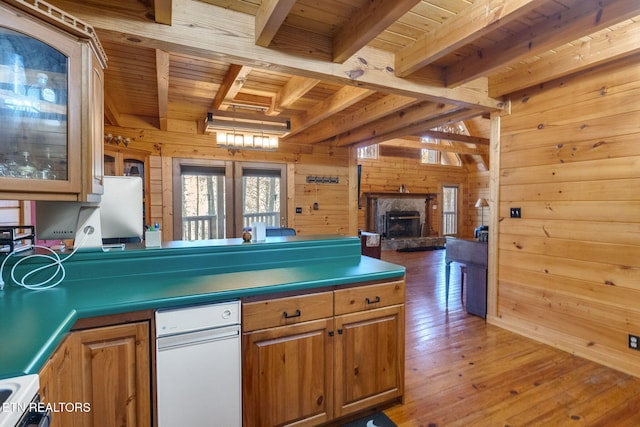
<point>347,72</point>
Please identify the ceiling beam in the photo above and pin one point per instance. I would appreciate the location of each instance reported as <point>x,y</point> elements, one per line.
<point>602,47</point>
<point>393,122</point>
<point>162,79</point>
<point>473,23</point>
<point>340,124</point>
<point>196,23</point>
<point>443,119</point>
<point>250,100</point>
<point>269,18</point>
<point>454,147</point>
<point>447,136</point>
<point>342,99</point>
<point>585,17</point>
<point>292,91</point>
<point>230,86</point>
<point>162,11</point>
<point>367,23</point>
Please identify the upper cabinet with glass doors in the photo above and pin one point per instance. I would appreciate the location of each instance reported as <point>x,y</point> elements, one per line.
<point>51,105</point>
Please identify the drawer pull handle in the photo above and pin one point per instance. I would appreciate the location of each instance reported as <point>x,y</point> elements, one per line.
<point>286,315</point>
<point>373,301</point>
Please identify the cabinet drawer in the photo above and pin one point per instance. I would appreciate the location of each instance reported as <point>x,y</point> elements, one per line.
<point>367,297</point>
<point>286,311</point>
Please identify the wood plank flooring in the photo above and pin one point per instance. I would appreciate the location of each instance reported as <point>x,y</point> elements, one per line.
<point>461,371</point>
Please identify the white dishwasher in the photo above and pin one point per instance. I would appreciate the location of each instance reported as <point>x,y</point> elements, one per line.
<point>198,366</point>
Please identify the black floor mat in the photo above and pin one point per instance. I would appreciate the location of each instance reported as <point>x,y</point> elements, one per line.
<point>377,419</point>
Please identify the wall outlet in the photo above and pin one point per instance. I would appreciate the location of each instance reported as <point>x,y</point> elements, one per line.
<point>516,212</point>
<point>634,342</point>
<point>298,210</point>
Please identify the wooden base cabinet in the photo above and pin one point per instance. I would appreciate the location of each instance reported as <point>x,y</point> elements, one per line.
<point>287,375</point>
<point>369,359</point>
<point>107,371</point>
<point>58,383</point>
<point>313,358</point>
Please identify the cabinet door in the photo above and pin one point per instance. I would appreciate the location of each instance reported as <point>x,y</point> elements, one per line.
<point>59,383</point>
<point>369,358</point>
<point>51,106</point>
<point>114,368</point>
<point>93,148</point>
<point>287,375</point>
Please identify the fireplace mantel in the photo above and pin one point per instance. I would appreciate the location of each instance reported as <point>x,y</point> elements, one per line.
<point>372,198</point>
<point>398,195</point>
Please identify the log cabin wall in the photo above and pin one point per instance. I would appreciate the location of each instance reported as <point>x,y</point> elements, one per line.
<point>336,212</point>
<point>387,173</point>
<point>478,186</point>
<point>569,270</point>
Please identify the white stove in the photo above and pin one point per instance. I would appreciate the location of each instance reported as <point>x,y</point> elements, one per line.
<point>18,402</point>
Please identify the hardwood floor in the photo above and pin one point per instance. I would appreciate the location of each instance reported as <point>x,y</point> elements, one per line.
<point>461,371</point>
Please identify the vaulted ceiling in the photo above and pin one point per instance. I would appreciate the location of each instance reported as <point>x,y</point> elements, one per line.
<point>347,72</point>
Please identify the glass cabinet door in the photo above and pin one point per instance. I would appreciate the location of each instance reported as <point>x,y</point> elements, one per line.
<point>51,105</point>
<point>33,109</point>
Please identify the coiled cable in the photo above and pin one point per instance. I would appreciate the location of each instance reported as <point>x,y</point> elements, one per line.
<point>48,283</point>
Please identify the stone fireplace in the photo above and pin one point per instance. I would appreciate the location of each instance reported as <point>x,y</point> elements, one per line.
<point>402,219</point>
<point>402,224</point>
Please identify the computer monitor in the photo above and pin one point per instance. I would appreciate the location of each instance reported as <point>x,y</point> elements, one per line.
<point>118,215</point>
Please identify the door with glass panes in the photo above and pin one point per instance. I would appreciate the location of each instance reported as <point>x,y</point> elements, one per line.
<point>200,189</point>
<point>449,210</point>
<point>216,200</point>
<point>260,195</point>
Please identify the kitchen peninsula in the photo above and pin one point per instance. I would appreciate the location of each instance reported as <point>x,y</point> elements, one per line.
<point>282,269</point>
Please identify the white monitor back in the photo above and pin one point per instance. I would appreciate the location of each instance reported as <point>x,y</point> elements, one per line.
<point>121,211</point>
<point>118,215</point>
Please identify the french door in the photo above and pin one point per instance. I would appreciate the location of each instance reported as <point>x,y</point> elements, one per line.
<point>260,195</point>
<point>217,199</point>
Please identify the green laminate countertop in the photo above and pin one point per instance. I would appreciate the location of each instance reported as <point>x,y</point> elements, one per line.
<point>33,323</point>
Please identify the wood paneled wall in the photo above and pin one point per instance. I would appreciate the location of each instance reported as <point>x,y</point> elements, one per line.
<point>478,186</point>
<point>569,270</point>
<point>337,203</point>
<point>387,173</point>
<point>337,209</point>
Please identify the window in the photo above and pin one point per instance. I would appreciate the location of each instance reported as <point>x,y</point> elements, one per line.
<point>368,152</point>
<point>437,157</point>
<point>440,156</point>
<point>216,199</point>
<point>202,203</point>
<point>431,157</point>
<point>262,189</point>
<point>449,210</point>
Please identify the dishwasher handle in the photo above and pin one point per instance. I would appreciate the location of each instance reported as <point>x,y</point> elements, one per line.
<point>197,337</point>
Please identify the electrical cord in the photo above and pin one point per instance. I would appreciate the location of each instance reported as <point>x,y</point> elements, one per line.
<point>48,283</point>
